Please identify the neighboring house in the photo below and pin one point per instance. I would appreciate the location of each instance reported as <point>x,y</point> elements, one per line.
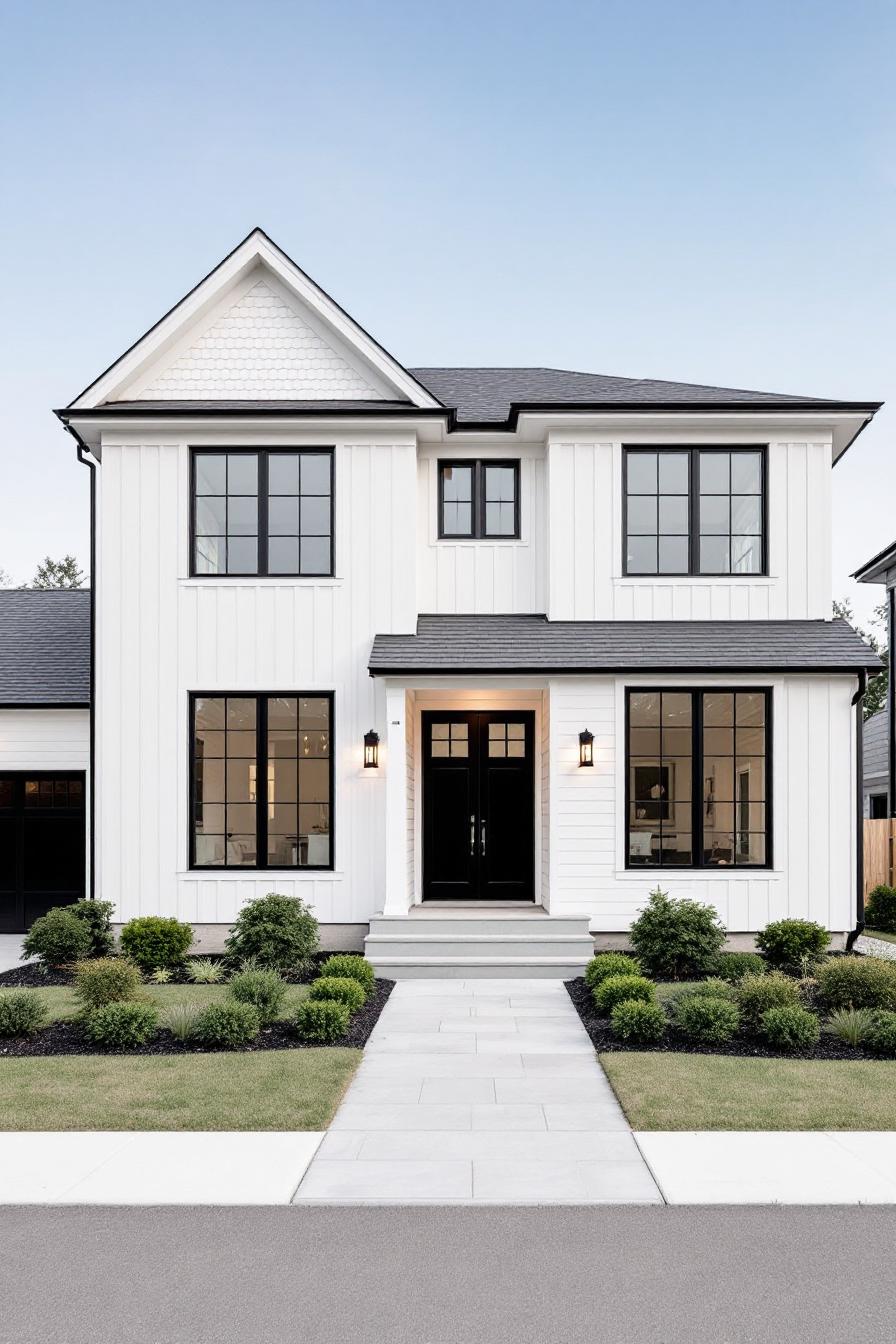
<point>459,643</point>
<point>44,751</point>
<point>875,766</point>
<point>880,741</point>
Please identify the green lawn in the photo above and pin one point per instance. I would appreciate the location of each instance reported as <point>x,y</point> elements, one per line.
<point>679,1091</point>
<point>875,933</point>
<point>62,1004</point>
<point>274,1089</point>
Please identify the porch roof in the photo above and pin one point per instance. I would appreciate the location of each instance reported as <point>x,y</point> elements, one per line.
<point>526,645</point>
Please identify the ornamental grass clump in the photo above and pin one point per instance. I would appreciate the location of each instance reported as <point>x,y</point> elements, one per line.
<point>264,989</point>
<point>181,1019</point>
<point>791,944</point>
<point>321,1021</point>
<point>858,982</point>
<point>105,980</point>
<point>790,1028</point>
<point>617,988</point>
<point>610,963</point>
<point>340,989</point>
<point>705,1020</point>
<point>637,1022</point>
<point>21,1012</point>
<point>851,1024</point>
<point>122,1024</point>
<point>676,939</point>
<point>756,994</point>
<point>204,971</point>
<point>346,964</point>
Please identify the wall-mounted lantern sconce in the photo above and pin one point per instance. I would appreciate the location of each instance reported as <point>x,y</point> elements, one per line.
<point>371,750</point>
<point>586,747</point>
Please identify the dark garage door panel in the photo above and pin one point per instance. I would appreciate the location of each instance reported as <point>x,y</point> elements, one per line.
<point>42,844</point>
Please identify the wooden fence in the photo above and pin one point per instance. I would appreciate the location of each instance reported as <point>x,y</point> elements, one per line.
<point>880,853</point>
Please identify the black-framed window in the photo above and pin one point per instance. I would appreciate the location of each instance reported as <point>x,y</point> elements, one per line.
<point>698,778</point>
<point>479,498</point>
<point>261,780</point>
<point>262,511</point>
<point>695,511</point>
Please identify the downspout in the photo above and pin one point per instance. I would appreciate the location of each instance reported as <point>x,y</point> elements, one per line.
<point>84,457</point>
<point>860,813</point>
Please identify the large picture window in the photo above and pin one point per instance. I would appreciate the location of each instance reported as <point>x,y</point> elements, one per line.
<point>263,511</point>
<point>695,511</point>
<point>698,778</point>
<point>479,499</point>
<point>261,785</point>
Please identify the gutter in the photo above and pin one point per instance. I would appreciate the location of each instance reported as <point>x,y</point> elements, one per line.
<point>860,814</point>
<point>85,459</point>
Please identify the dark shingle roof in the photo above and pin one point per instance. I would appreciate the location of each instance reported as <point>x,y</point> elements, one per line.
<point>874,746</point>
<point>44,646</point>
<point>521,644</point>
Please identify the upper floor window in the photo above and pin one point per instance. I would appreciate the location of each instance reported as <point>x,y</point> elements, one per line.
<point>695,511</point>
<point>479,499</point>
<point>263,511</point>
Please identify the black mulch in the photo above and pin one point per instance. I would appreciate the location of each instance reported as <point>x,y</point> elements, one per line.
<point>33,975</point>
<point>68,1038</point>
<point>602,1038</point>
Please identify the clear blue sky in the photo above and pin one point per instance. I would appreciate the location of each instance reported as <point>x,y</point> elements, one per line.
<point>691,190</point>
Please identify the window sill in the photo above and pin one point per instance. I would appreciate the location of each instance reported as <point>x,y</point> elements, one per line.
<point>633,580</point>
<point>262,580</point>
<point>244,874</point>
<point>720,873</point>
<point>502,542</point>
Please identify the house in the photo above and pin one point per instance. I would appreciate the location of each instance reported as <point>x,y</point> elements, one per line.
<point>880,738</point>
<point>875,765</point>
<point>468,658</point>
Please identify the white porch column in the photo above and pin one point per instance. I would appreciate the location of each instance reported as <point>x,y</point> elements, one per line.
<point>397,899</point>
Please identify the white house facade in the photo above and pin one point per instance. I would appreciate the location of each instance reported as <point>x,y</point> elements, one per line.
<point>443,650</point>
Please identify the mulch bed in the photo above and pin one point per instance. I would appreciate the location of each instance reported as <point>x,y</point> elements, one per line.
<point>602,1038</point>
<point>68,1038</point>
<point>33,975</point>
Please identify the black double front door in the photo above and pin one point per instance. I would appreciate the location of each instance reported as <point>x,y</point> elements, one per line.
<point>42,844</point>
<point>479,805</point>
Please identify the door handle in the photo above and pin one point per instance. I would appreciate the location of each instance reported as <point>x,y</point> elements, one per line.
<point>472,836</point>
<point>482,837</point>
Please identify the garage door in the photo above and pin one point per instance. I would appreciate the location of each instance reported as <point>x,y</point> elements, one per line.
<point>42,844</point>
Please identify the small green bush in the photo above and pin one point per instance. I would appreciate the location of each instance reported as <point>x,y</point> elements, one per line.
<point>340,989</point>
<point>227,1024</point>
<point>676,939</point>
<point>321,1021</point>
<point>713,988</point>
<point>97,915</point>
<point>152,941</point>
<point>756,994</point>
<point>610,963</point>
<point>181,1019</point>
<point>204,971</point>
<point>264,989</point>
<point>347,965</point>
<point>279,932</point>
<point>105,980</point>
<point>790,1028</point>
<point>733,966</point>
<point>617,988</point>
<point>21,1012</point>
<point>880,1038</point>
<point>121,1024</point>
<point>637,1022</point>
<point>58,938</point>
<point>706,1020</point>
<point>859,982</point>
<point>880,909</point>
<point>851,1024</point>
<point>788,943</point>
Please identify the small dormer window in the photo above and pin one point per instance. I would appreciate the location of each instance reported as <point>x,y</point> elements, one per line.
<point>479,499</point>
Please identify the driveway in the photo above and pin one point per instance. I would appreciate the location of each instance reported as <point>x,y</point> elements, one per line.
<point>10,951</point>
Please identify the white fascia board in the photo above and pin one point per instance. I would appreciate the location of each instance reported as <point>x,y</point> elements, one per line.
<point>837,427</point>
<point>256,249</point>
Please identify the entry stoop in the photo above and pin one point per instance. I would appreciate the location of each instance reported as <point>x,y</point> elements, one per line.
<point>490,943</point>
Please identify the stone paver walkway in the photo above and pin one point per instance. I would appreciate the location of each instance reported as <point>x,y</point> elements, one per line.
<point>479,1092</point>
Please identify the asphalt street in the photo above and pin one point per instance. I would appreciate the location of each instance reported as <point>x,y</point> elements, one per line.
<point>446,1275</point>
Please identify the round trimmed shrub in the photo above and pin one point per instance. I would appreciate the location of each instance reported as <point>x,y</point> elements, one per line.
<point>610,963</point>
<point>862,982</point>
<point>345,965</point>
<point>733,966</point>
<point>713,988</point>
<point>58,938</point>
<point>21,1012</point>
<point>278,932</point>
<point>756,994</point>
<point>227,1024</point>
<point>637,1022</point>
<point>105,980</point>
<point>153,941</point>
<point>97,915</point>
<point>617,988</point>
<point>788,943</point>
<point>264,989</point>
<point>321,1021</point>
<point>706,1020</point>
<point>122,1024</point>
<point>790,1028</point>
<point>676,939</point>
<point>880,1037</point>
<point>341,990</point>
<point>880,909</point>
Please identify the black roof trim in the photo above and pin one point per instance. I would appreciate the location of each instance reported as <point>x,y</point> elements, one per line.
<point>884,559</point>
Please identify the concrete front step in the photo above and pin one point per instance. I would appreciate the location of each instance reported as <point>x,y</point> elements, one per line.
<point>472,968</point>
<point>492,945</point>
<point>513,925</point>
<point>488,945</point>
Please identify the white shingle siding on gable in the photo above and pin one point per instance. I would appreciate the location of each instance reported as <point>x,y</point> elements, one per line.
<point>261,348</point>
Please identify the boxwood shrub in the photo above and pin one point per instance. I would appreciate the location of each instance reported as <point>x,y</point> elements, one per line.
<point>638,1022</point>
<point>153,941</point>
<point>264,989</point>
<point>227,1024</point>
<point>706,1020</point>
<point>321,1021</point>
<point>713,988</point>
<point>275,931</point>
<point>610,963</point>
<point>105,980</point>
<point>790,1028</point>
<point>340,989</point>
<point>880,909</point>
<point>733,966</point>
<point>862,982</point>
<point>121,1024</point>
<point>345,965</point>
<point>97,915</point>
<point>58,938</point>
<point>617,988</point>
<point>21,1011</point>
<point>880,1037</point>
<point>756,994</point>
<point>676,939</point>
<point>788,943</point>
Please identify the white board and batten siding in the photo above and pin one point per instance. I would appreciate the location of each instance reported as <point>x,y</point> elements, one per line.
<point>162,634</point>
<point>44,739</point>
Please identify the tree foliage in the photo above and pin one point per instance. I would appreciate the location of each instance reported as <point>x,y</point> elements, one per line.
<point>64,573</point>
<point>876,694</point>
